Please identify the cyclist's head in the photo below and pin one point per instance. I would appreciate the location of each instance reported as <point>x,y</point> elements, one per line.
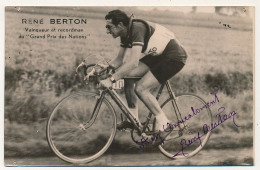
<point>117,16</point>
<point>117,22</point>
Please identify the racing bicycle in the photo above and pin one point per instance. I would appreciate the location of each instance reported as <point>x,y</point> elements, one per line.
<point>83,125</point>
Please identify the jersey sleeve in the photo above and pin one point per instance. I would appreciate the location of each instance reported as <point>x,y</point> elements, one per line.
<point>138,35</point>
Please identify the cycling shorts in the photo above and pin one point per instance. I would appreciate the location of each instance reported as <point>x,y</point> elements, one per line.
<point>166,65</point>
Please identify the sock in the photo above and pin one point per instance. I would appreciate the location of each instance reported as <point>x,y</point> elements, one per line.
<point>161,122</point>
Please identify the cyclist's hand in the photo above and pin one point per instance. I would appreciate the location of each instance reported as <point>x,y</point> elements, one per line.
<point>111,69</point>
<point>107,83</point>
<point>106,70</point>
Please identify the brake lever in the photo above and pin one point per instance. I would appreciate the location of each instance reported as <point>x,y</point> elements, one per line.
<point>80,65</point>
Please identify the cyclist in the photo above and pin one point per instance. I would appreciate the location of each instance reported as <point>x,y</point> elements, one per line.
<point>150,51</point>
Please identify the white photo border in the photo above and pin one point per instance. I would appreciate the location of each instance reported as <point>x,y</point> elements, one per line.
<point>4,3</point>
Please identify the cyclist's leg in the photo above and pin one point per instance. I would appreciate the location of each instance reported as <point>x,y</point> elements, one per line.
<point>142,89</point>
<point>131,97</point>
<point>129,87</point>
<point>139,71</point>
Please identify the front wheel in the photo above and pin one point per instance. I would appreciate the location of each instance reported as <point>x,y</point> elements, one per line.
<point>188,136</point>
<point>75,134</point>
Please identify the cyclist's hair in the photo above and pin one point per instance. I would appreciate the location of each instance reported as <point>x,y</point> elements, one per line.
<point>118,16</point>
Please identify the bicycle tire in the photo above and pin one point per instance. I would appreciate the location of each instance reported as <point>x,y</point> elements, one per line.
<point>65,133</point>
<point>192,138</point>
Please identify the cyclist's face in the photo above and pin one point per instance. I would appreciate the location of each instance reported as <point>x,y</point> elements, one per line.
<point>112,29</point>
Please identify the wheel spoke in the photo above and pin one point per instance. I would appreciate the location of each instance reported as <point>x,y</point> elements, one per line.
<point>65,134</point>
<point>74,116</point>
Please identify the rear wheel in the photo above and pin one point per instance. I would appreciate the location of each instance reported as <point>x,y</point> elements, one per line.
<point>192,138</point>
<point>76,135</point>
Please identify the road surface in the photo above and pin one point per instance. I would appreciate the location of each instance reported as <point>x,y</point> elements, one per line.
<point>205,157</point>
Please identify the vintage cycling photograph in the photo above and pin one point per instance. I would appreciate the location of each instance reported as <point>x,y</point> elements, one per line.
<point>129,86</point>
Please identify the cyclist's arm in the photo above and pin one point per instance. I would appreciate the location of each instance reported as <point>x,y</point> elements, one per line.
<point>131,61</point>
<point>118,61</point>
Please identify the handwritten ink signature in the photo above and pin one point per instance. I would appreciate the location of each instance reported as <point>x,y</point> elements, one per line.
<point>187,144</point>
<point>206,129</point>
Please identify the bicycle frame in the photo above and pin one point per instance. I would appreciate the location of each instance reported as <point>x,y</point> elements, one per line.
<point>118,100</point>
<point>140,134</point>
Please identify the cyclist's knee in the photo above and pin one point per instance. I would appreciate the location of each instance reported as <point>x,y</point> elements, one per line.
<point>140,89</point>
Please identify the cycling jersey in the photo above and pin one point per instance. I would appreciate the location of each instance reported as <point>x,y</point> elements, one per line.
<point>158,39</point>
